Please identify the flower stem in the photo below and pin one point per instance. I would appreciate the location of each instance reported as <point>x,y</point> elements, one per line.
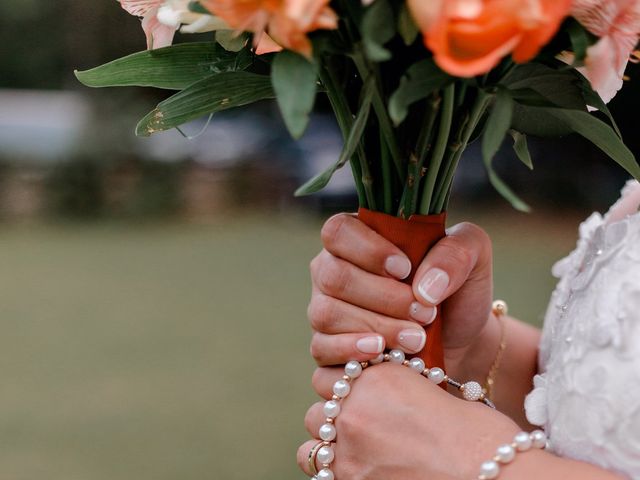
<point>444,131</point>
<point>386,175</point>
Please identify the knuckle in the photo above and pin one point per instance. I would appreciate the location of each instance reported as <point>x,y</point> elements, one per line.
<point>334,276</point>
<point>458,253</point>
<point>315,349</point>
<point>309,417</point>
<point>332,228</point>
<point>322,313</point>
<point>301,455</point>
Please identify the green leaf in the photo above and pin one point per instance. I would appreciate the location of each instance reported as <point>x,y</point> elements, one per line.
<point>497,125</point>
<point>377,29</point>
<point>407,28</point>
<point>600,134</point>
<point>211,95</point>
<point>580,41</point>
<point>592,98</point>
<point>231,40</point>
<point>196,7</point>
<point>173,68</point>
<point>294,80</point>
<point>420,80</point>
<point>521,148</point>
<point>321,180</point>
<point>504,190</point>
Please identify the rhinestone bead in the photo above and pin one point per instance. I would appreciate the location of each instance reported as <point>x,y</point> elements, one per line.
<point>522,441</point>
<point>327,432</point>
<point>416,364</point>
<point>436,375</point>
<point>332,409</point>
<point>471,391</point>
<point>396,356</point>
<point>505,453</point>
<point>490,470</point>
<point>341,388</point>
<point>538,439</point>
<point>353,369</point>
<point>325,455</point>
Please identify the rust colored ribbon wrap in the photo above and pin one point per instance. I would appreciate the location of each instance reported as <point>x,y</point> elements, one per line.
<point>414,237</point>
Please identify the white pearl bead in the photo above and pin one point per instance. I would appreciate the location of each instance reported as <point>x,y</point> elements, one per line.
<point>416,364</point>
<point>522,441</point>
<point>436,375</point>
<point>538,438</point>
<point>327,432</point>
<point>490,470</point>
<point>341,388</point>
<point>332,409</point>
<point>505,453</point>
<point>377,360</point>
<point>325,455</point>
<point>472,391</point>
<point>353,369</point>
<point>396,356</point>
<point>325,474</point>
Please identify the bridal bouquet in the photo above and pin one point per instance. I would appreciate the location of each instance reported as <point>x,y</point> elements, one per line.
<point>412,83</point>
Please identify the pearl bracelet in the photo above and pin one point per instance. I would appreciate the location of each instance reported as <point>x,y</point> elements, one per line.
<point>505,454</point>
<point>323,452</point>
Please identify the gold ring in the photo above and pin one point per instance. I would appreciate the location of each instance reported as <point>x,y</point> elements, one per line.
<point>311,460</point>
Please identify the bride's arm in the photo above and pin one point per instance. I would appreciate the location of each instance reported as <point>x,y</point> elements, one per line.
<point>538,464</point>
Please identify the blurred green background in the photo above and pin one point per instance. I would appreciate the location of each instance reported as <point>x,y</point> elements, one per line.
<point>152,315</point>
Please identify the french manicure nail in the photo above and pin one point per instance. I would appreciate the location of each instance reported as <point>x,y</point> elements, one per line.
<point>421,314</point>
<point>433,285</point>
<point>398,266</point>
<point>370,344</point>
<point>412,340</point>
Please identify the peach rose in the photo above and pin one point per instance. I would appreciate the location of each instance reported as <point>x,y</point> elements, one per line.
<point>470,37</point>
<point>617,23</point>
<point>286,21</point>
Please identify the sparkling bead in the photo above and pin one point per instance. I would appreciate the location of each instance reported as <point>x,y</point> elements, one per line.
<point>499,307</point>
<point>325,474</point>
<point>490,470</point>
<point>416,364</point>
<point>472,391</point>
<point>436,375</point>
<point>505,453</point>
<point>396,356</point>
<point>353,369</point>
<point>538,438</point>
<point>327,432</point>
<point>377,360</point>
<point>522,441</point>
<point>332,409</point>
<point>341,388</point>
<point>325,455</point>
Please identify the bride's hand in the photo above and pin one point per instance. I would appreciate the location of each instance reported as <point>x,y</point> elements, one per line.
<point>359,305</point>
<point>396,424</point>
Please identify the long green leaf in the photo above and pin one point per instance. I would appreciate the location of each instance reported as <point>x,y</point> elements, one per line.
<point>377,29</point>
<point>593,99</point>
<point>211,95</point>
<point>521,148</point>
<point>172,68</point>
<point>295,82</point>
<point>600,134</point>
<point>321,180</point>
<point>497,125</point>
<point>407,28</point>
<point>421,80</point>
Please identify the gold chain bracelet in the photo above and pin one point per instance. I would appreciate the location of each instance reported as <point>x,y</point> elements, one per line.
<point>499,309</point>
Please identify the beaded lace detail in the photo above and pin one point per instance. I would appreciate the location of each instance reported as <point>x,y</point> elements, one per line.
<point>587,395</point>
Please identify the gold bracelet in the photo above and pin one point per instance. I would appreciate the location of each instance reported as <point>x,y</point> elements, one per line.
<point>499,309</point>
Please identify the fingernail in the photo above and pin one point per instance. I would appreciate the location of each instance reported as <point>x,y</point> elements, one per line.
<point>370,344</point>
<point>433,285</point>
<point>421,314</point>
<point>412,340</point>
<point>398,266</point>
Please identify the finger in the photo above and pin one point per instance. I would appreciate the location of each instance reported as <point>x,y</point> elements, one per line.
<point>450,263</point>
<point>314,419</point>
<point>331,316</point>
<point>329,350</point>
<point>340,279</point>
<point>348,238</point>
<point>303,456</point>
<point>324,379</point>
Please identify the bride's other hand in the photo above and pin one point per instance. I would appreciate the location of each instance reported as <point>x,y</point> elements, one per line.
<point>359,304</point>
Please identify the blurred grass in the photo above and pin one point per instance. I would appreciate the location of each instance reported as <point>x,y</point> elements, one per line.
<point>180,351</point>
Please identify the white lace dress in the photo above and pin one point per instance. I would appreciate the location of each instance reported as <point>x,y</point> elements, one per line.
<point>587,395</point>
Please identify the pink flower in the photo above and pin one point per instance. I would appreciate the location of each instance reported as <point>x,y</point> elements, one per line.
<point>617,23</point>
<point>158,35</point>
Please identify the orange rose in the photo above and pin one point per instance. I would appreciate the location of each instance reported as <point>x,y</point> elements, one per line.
<point>470,37</point>
<point>286,21</point>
